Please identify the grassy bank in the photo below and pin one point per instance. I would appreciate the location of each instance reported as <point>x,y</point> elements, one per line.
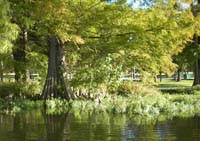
<point>172,84</point>
<point>149,105</point>
<point>143,101</point>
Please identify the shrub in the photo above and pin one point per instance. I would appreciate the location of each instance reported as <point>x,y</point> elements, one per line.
<point>7,89</point>
<point>129,88</point>
<point>30,90</point>
<point>2,103</point>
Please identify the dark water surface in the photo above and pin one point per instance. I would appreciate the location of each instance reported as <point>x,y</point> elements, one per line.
<point>36,126</point>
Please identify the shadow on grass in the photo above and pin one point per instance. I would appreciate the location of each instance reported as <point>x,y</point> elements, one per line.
<point>170,84</point>
<point>174,87</point>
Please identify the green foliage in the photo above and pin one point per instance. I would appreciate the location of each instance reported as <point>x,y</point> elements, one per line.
<point>104,74</point>
<point>129,88</point>
<point>16,90</point>
<point>37,63</point>
<point>147,43</point>
<point>18,105</point>
<point>150,105</point>
<point>8,31</point>
<point>56,106</point>
<point>25,104</point>
<point>7,62</point>
<point>145,106</point>
<point>101,40</point>
<point>2,103</point>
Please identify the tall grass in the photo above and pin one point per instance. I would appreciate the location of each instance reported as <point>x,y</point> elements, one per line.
<point>149,105</point>
<point>130,99</point>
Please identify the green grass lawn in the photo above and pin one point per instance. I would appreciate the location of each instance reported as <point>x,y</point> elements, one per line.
<point>171,84</point>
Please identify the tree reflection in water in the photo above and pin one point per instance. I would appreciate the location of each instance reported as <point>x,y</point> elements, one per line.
<point>56,125</point>
<point>84,126</point>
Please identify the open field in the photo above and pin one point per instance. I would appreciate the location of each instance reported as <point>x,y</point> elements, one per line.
<point>171,84</point>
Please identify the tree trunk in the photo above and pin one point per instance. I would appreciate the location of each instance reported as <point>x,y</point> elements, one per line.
<point>179,74</point>
<point>160,76</point>
<point>1,71</point>
<point>56,125</point>
<point>197,63</point>
<point>1,75</point>
<point>55,85</point>
<point>197,73</point>
<point>19,55</point>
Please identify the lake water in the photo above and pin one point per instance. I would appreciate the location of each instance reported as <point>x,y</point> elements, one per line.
<point>37,126</point>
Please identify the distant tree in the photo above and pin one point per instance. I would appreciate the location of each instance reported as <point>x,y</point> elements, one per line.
<point>8,33</point>
<point>21,14</point>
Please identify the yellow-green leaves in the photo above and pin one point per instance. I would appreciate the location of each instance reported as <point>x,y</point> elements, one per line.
<point>8,31</point>
<point>94,29</point>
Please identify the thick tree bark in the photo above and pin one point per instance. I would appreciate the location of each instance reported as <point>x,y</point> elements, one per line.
<point>197,73</point>
<point>178,77</point>
<point>179,74</point>
<point>55,84</point>
<point>197,63</point>
<point>19,55</point>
